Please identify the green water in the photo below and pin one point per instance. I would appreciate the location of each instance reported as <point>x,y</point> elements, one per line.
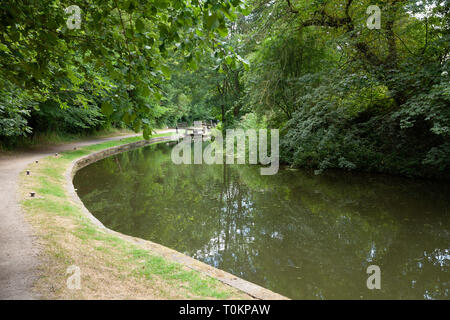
<point>298,234</point>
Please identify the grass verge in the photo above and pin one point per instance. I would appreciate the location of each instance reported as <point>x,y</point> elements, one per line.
<point>47,138</point>
<point>111,267</point>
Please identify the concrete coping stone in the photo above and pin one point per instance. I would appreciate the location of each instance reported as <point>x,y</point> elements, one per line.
<point>245,286</point>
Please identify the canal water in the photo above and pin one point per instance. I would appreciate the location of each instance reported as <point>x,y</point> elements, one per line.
<point>302,235</point>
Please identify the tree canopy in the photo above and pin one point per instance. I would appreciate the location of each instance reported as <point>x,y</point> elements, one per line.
<point>117,58</point>
<point>344,94</point>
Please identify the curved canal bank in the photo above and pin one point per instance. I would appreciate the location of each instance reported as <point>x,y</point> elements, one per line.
<point>247,287</point>
<point>19,247</point>
<point>112,265</point>
<point>302,235</point>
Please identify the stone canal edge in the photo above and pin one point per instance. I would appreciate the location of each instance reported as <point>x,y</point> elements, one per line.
<point>245,286</point>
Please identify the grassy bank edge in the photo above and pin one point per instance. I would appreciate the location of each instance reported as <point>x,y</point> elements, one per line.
<point>54,138</point>
<point>111,268</point>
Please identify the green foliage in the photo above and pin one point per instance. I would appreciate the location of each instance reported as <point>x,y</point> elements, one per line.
<point>118,59</point>
<point>15,106</point>
<point>344,96</point>
<point>49,117</point>
<point>349,97</point>
<point>253,121</point>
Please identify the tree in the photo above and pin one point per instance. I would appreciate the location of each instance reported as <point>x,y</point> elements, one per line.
<point>351,97</point>
<point>126,43</point>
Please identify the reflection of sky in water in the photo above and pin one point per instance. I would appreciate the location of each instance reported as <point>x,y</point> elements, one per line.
<point>439,257</point>
<point>301,235</point>
<point>371,253</point>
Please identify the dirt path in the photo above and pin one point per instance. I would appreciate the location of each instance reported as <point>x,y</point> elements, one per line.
<point>19,253</point>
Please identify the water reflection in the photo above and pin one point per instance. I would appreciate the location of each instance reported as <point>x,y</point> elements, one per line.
<point>304,236</point>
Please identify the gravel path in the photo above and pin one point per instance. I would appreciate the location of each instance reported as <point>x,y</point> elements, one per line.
<point>19,253</point>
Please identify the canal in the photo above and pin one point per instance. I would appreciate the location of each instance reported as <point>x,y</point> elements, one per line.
<point>302,235</point>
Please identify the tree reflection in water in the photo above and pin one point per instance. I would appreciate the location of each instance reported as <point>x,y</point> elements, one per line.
<point>304,236</point>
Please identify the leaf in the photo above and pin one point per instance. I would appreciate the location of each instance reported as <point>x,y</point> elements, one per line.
<point>145,91</point>
<point>126,118</point>
<point>229,14</point>
<point>229,60</point>
<point>137,125</point>
<point>14,36</point>
<point>140,26</point>
<point>107,108</point>
<point>166,71</point>
<point>211,21</point>
<point>3,47</point>
<point>223,32</point>
<point>244,62</point>
<point>146,133</point>
<point>157,95</point>
<point>161,4</point>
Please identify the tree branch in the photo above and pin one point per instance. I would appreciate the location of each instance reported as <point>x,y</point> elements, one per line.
<point>291,8</point>
<point>126,43</point>
<point>426,36</point>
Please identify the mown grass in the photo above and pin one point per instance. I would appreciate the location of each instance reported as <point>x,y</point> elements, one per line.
<point>112,267</point>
